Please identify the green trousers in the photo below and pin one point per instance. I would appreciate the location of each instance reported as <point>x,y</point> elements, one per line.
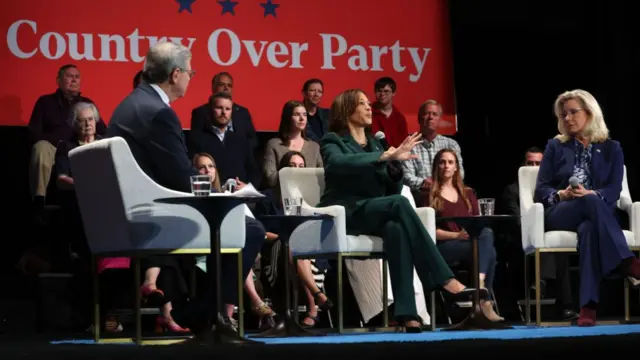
<point>406,244</point>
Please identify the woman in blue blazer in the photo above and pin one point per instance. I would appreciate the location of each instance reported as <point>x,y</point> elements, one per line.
<point>367,180</point>
<point>584,150</point>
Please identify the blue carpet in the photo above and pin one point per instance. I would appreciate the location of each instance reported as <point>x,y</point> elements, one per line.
<point>518,333</point>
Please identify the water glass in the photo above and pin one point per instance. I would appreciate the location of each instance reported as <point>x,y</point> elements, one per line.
<point>293,206</point>
<point>201,185</point>
<point>486,206</point>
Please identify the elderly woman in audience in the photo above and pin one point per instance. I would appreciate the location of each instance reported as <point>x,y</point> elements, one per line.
<point>291,137</point>
<point>367,181</point>
<point>579,184</point>
<point>84,118</point>
<point>448,196</point>
<point>311,272</point>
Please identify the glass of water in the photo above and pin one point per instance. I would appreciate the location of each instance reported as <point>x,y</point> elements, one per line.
<point>486,206</point>
<point>293,206</point>
<point>201,185</point>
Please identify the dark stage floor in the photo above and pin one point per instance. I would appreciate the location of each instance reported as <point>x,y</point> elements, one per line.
<point>539,342</point>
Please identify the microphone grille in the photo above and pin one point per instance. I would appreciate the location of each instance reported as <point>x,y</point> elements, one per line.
<point>573,181</point>
<point>379,135</point>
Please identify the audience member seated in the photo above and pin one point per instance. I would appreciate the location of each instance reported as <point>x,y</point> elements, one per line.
<point>417,171</point>
<point>317,117</point>
<point>367,181</point>
<point>291,137</point>
<point>554,267</point>
<point>48,126</point>
<point>583,150</point>
<point>240,120</point>
<point>450,197</point>
<point>232,150</point>
<point>386,116</point>
<point>311,272</point>
<point>206,165</point>
<point>84,119</point>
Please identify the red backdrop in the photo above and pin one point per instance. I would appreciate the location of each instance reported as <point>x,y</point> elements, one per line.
<point>269,46</point>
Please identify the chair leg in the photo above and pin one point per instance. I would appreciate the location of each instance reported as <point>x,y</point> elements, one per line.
<point>240,296</point>
<point>495,302</point>
<point>385,295</point>
<point>627,312</point>
<point>444,307</point>
<point>527,295</point>
<point>340,297</point>
<point>538,290</point>
<point>96,300</point>
<point>432,305</point>
<point>138,311</point>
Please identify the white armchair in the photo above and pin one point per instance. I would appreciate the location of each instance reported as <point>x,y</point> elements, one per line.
<point>120,217</point>
<point>328,238</point>
<point>536,240</point>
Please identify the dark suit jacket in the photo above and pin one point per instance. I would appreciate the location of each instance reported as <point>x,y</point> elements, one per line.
<point>154,134</point>
<point>311,130</point>
<point>234,157</point>
<point>240,117</point>
<point>353,174</point>
<point>607,169</point>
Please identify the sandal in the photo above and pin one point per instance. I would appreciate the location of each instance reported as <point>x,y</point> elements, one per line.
<point>309,326</point>
<point>326,305</point>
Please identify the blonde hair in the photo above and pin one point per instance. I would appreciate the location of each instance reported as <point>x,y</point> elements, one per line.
<point>423,107</point>
<point>215,183</point>
<point>595,130</point>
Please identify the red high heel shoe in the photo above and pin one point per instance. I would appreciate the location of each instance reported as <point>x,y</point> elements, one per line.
<point>168,325</point>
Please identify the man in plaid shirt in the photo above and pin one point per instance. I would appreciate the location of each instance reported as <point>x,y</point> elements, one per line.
<point>417,172</point>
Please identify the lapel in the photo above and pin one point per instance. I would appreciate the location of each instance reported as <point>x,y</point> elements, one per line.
<point>596,161</point>
<point>569,153</point>
<point>351,143</point>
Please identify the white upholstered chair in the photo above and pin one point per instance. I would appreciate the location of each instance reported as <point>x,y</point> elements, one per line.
<point>328,238</point>
<point>121,218</point>
<point>536,240</point>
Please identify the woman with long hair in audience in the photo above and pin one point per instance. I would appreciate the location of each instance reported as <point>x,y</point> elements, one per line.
<point>291,137</point>
<point>448,196</point>
<point>584,151</point>
<point>206,165</point>
<point>367,180</point>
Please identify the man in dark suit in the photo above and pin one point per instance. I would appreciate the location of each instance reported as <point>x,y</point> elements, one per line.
<point>554,268</point>
<point>240,120</point>
<point>317,117</point>
<point>151,128</point>
<point>232,151</point>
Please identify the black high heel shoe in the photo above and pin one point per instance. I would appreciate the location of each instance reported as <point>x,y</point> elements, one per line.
<point>467,294</point>
<point>326,306</point>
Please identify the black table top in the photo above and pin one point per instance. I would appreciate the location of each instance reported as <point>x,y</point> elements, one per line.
<point>191,199</point>
<point>296,217</point>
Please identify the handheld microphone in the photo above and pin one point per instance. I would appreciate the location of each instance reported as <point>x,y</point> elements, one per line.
<point>382,139</point>
<point>574,182</point>
<point>230,185</point>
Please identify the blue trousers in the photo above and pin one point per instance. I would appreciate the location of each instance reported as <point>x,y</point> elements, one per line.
<point>601,243</point>
<point>460,251</point>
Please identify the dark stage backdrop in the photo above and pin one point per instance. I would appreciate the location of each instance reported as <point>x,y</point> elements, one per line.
<point>511,60</point>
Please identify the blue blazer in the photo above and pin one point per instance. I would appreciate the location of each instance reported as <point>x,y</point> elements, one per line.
<point>607,169</point>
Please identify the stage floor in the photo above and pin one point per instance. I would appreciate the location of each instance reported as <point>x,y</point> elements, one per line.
<point>519,341</point>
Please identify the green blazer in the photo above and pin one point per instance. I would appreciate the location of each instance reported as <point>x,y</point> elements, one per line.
<point>353,175</point>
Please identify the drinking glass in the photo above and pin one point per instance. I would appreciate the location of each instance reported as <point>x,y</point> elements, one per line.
<point>201,185</point>
<point>293,206</point>
<point>486,206</point>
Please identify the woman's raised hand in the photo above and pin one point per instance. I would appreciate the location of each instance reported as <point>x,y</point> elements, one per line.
<point>403,152</point>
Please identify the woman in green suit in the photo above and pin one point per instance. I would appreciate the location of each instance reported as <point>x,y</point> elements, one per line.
<point>367,181</point>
